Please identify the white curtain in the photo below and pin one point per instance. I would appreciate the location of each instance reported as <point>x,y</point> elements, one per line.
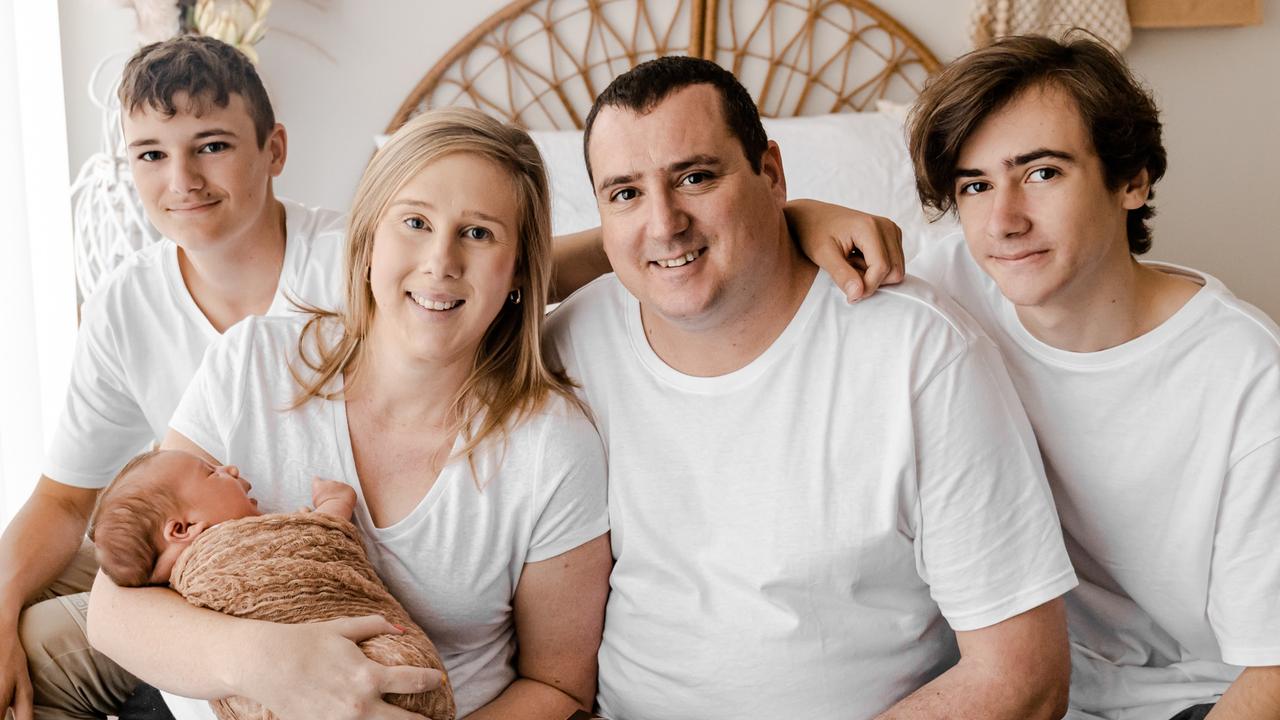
<point>37,275</point>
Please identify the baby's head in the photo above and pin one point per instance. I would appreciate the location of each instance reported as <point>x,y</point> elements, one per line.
<point>160,502</point>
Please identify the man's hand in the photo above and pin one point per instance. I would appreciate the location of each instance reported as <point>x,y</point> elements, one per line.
<point>860,252</point>
<point>316,670</point>
<point>333,498</point>
<point>15,682</point>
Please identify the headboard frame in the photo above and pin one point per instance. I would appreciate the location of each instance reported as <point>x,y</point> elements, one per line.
<point>540,63</point>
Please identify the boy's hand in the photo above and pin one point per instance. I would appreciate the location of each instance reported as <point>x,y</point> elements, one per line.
<point>829,235</point>
<point>15,683</point>
<point>333,498</point>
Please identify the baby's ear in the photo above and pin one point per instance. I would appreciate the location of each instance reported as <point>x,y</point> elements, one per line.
<point>183,532</point>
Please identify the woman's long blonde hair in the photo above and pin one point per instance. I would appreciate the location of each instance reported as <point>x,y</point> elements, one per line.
<point>508,377</point>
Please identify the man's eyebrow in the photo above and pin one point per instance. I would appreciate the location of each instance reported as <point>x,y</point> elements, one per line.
<point>1020,160</point>
<point>212,132</point>
<point>710,161</point>
<point>704,160</point>
<point>615,181</point>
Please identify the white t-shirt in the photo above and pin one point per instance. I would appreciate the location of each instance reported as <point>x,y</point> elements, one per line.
<point>1164,457</point>
<point>793,538</point>
<point>455,560</point>
<point>142,337</point>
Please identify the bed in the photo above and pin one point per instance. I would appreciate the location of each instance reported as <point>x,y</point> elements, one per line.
<point>832,78</point>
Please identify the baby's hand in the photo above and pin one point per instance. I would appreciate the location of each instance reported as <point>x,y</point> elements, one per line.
<point>333,498</point>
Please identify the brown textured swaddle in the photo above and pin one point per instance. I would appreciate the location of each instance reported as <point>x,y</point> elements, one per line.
<point>299,568</point>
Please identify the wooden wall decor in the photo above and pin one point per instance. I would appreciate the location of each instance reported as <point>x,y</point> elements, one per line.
<point>540,63</point>
<point>1194,13</point>
<point>803,57</point>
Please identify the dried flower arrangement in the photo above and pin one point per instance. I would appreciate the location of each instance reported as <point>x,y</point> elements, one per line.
<point>241,23</point>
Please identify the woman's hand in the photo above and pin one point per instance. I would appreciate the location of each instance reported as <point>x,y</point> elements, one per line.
<point>315,670</point>
<point>829,234</point>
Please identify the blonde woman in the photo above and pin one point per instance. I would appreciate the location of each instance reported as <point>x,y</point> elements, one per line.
<point>481,482</point>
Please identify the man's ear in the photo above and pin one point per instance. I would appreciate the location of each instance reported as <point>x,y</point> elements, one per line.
<point>278,145</point>
<point>771,168</point>
<point>1137,190</point>
<point>181,532</point>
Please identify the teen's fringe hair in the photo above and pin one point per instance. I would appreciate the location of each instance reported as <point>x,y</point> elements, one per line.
<point>509,377</point>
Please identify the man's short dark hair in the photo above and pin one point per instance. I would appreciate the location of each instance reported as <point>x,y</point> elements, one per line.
<point>1121,118</point>
<point>207,70</point>
<point>644,86</point>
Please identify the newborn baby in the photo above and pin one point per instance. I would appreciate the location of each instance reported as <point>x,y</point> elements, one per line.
<point>171,517</point>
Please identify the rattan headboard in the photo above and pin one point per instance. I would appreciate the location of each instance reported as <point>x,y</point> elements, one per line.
<point>540,63</point>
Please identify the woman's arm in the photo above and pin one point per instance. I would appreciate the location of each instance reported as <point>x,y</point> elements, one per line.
<point>190,651</point>
<point>559,617</point>
<point>195,652</point>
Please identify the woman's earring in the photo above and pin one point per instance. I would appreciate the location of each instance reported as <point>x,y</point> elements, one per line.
<point>513,297</point>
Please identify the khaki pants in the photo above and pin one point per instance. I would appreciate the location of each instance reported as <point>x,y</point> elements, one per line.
<point>70,679</point>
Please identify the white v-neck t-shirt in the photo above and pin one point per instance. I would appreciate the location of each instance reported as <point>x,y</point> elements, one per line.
<point>1164,458</point>
<point>142,336</point>
<point>454,561</point>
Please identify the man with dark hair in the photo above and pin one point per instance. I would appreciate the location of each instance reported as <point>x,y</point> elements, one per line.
<point>804,493</point>
<point>1154,392</point>
<point>203,148</point>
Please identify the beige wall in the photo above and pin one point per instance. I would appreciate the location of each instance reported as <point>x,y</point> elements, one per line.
<point>1217,87</point>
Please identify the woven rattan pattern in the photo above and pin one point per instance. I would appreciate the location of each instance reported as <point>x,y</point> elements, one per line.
<point>540,63</point>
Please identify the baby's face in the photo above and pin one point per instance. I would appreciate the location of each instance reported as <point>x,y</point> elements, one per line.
<point>210,493</point>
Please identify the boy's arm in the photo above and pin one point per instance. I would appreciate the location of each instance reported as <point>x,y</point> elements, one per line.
<point>827,234</point>
<point>36,547</point>
<point>577,260</point>
<point>830,234</point>
<point>333,498</point>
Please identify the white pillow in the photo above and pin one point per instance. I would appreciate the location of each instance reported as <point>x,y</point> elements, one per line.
<point>858,160</point>
<point>573,204</point>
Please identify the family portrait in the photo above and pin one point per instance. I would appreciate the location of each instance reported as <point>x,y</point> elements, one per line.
<point>642,360</point>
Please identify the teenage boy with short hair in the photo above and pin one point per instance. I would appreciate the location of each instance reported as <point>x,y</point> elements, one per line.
<point>203,147</point>
<point>1154,392</point>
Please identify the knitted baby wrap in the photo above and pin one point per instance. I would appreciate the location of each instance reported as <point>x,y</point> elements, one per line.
<point>299,568</point>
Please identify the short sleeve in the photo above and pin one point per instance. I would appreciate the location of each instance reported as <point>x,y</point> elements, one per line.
<point>209,407</point>
<point>1244,575</point>
<point>571,493</point>
<point>988,541</point>
<point>102,424</point>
